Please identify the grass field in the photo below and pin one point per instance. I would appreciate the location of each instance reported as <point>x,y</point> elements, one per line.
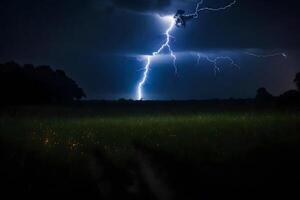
<point>228,140</point>
<point>221,135</point>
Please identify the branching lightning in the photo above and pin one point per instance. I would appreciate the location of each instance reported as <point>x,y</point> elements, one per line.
<point>167,43</point>
<point>200,9</point>
<point>215,61</point>
<point>167,46</point>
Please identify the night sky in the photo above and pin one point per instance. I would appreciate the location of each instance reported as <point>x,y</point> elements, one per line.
<point>99,43</point>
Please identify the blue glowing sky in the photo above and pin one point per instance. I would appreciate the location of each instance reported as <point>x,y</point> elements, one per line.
<point>101,44</point>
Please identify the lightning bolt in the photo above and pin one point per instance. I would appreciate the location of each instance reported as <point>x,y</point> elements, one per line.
<point>200,9</point>
<point>165,45</point>
<point>143,81</point>
<point>216,60</point>
<point>284,55</point>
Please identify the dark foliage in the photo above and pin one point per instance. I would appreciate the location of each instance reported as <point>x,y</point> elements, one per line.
<point>263,95</point>
<point>297,80</point>
<point>289,98</point>
<point>28,85</point>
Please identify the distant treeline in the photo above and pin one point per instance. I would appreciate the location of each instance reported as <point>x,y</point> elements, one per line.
<point>289,98</point>
<point>27,84</point>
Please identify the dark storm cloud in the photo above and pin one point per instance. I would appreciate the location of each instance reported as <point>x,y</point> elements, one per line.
<point>264,24</point>
<point>90,43</point>
<point>142,5</point>
<point>249,24</point>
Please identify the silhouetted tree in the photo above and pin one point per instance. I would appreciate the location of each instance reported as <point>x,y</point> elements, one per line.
<point>263,95</point>
<point>297,81</point>
<point>29,84</point>
<point>291,97</point>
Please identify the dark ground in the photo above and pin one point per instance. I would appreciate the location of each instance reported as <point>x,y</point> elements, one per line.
<point>222,149</point>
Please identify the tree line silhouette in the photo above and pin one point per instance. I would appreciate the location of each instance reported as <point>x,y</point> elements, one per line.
<point>289,98</point>
<point>27,84</point>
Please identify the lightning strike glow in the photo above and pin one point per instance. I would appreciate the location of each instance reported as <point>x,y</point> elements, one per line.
<point>216,60</point>
<point>167,46</point>
<point>145,75</point>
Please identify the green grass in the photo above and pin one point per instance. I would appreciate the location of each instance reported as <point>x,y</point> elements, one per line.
<point>196,137</point>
